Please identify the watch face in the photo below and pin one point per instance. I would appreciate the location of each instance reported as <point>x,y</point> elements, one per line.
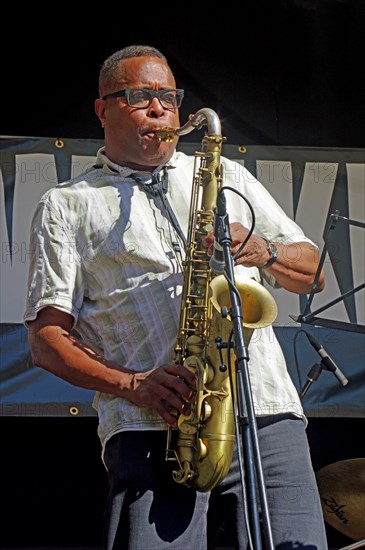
<point>273,250</point>
<point>273,253</point>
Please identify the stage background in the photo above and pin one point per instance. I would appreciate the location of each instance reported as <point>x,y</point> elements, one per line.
<point>285,73</point>
<point>309,184</point>
<point>52,473</point>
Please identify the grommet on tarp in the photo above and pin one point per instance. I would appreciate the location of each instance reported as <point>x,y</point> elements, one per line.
<point>74,410</point>
<point>59,143</point>
<point>242,149</point>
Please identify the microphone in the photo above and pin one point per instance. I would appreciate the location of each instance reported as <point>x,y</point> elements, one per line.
<point>327,361</point>
<point>312,376</point>
<point>216,262</point>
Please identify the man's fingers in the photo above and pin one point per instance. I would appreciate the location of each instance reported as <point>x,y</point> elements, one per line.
<point>168,413</point>
<point>182,373</point>
<point>168,389</point>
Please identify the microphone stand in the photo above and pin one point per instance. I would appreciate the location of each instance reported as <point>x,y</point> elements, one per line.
<point>248,426</point>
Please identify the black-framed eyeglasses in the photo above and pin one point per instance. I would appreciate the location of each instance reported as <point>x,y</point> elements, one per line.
<point>141,98</point>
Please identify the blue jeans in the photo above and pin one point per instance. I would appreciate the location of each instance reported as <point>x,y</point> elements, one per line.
<point>147,510</point>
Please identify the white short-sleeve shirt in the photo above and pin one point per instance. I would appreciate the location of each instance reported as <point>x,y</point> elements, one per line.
<point>104,252</point>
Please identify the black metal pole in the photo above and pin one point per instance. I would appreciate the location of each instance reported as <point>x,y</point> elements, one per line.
<point>248,425</point>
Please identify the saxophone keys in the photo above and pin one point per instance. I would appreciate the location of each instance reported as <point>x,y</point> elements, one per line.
<point>206,411</point>
<point>186,425</point>
<point>195,344</point>
<point>201,449</point>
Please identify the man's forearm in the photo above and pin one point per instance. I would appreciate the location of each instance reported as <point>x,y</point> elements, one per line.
<point>296,267</point>
<point>57,351</point>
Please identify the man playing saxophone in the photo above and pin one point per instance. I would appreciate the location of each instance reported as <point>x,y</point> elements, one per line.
<point>124,222</point>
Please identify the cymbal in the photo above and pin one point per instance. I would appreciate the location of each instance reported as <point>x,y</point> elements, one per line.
<point>341,487</point>
<point>355,545</point>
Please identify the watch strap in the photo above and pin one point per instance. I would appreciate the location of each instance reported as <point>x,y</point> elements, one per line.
<point>272,250</point>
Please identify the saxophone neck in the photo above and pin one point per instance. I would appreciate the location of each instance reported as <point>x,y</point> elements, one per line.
<point>203,117</point>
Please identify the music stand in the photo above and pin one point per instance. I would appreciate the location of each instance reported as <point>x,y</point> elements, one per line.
<point>311,317</point>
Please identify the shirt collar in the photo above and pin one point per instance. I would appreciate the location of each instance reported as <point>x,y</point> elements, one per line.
<point>111,168</point>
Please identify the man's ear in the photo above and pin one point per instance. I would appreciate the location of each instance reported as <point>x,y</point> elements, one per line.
<point>100,110</point>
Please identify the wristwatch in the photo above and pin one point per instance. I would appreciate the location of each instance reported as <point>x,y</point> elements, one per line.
<point>272,250</point>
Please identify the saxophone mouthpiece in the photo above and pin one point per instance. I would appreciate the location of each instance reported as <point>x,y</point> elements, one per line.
<point>166,134</point>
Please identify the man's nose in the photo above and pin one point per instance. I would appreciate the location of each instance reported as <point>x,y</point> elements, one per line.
<point>155,109</point>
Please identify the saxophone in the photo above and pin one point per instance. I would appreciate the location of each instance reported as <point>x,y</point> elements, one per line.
<point>205,438</point>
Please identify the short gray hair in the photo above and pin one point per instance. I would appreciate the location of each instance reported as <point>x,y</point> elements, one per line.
<point>111,64</point>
